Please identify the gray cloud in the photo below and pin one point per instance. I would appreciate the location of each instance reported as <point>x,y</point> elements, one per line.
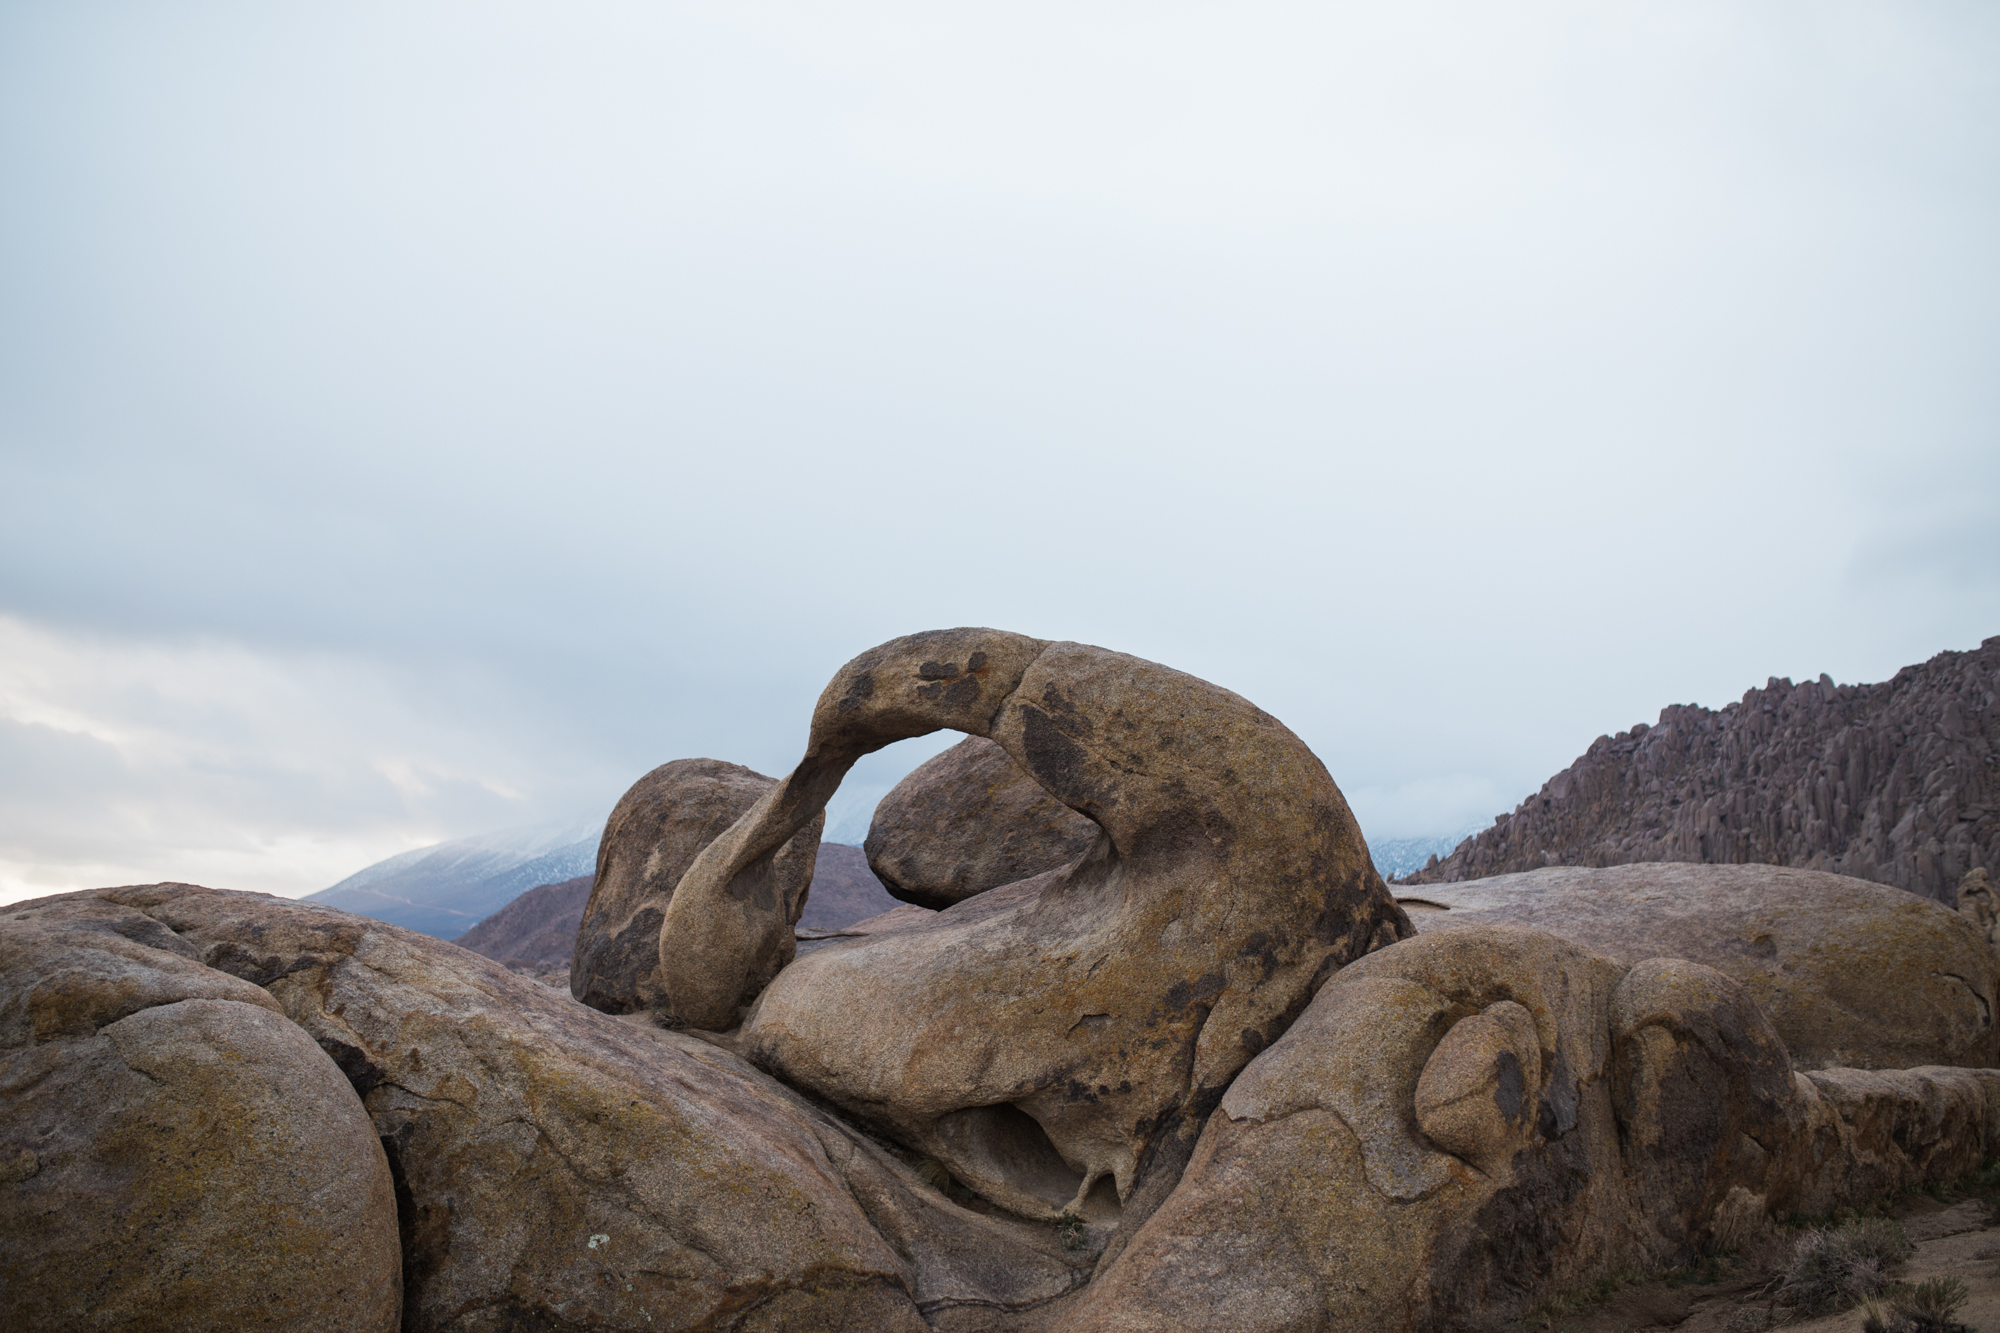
<point>542,395</point>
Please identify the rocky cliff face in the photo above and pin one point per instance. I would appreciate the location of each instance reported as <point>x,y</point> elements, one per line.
<point>1897,782</point>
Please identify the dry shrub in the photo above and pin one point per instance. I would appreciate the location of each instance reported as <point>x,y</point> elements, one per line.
<point>1832,1269</point>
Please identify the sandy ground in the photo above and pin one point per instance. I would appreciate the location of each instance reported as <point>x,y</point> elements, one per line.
<point>1951,1240</point>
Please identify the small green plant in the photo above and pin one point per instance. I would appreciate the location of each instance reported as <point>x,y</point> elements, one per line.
<point>1072,1231</point>
<point>1927,1307</point>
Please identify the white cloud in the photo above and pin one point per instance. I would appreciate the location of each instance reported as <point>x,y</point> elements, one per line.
<point>129,761</point>
<point>415,420</point>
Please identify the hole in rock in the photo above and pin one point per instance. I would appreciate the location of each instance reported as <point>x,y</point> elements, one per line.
<point>1005,1145</point>
<point>852,806</point>
<point>1421,905</point>
<point>1101,1204</point>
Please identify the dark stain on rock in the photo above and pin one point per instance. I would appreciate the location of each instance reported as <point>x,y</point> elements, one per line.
<point>1184,996</point>
<point>859,693</point>
<point>1054,759</point>
<point>1503,1257</point>
<point>1264,949</point>
<point>1557,1116</point>
<point>1509,1088</point>
<point>606,963</point>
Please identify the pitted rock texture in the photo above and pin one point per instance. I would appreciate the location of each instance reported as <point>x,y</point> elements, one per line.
<point>654,834</point>
<point>175,1153</point>
<point>1056,1042</point>
<point>560,1168</point>
<point>1851,973</point>
<point>969,820</point>
<point>1897,783</point>
<point>1463,1125</point>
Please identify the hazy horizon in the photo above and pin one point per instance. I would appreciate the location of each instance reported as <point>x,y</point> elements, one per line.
<point>419,421</point>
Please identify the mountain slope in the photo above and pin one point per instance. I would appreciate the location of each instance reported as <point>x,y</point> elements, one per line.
<point>537,928</point>
<point>447,889</point>
<point>1897,782</point>
<point>844,890</point>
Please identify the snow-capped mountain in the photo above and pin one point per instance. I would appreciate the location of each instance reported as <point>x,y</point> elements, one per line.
<point>447,889</point>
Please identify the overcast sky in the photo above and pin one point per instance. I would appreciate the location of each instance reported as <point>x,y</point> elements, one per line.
<point>423,419</point>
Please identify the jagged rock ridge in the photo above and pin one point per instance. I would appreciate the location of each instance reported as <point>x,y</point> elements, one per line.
<point>1897,782</point>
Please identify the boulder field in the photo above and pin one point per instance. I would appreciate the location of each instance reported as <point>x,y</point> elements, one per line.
<point>1191,1067</point>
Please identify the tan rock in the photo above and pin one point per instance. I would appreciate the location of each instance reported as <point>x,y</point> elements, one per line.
<point>1868,1133</point>
<point>174,1153</point>
<point>654,833</point>
<point>969,820</point>
<point>562,1168</point>
<point>1458,1127</point>
<point>1058,1041</point>
<point>1851,973</point>
<point>1372,1169</point>
<point>1472,1099</point>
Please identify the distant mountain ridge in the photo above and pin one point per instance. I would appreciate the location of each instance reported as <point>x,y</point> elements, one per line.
<point>1897,782</point>
<point>536,932</point>
<point>1403,856</point>
<point>447,889</point>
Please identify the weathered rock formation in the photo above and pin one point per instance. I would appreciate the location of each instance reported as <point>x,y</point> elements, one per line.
<point>555,1167</point>
<point>1056,1042</point>
<point>969,820</point>
<point>655,832</point>
<point>1897,783</point>
<point>1466,1122</point>
<point>174,1153</point>
<point>1851,973</point>
<point>1210,1031</point>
